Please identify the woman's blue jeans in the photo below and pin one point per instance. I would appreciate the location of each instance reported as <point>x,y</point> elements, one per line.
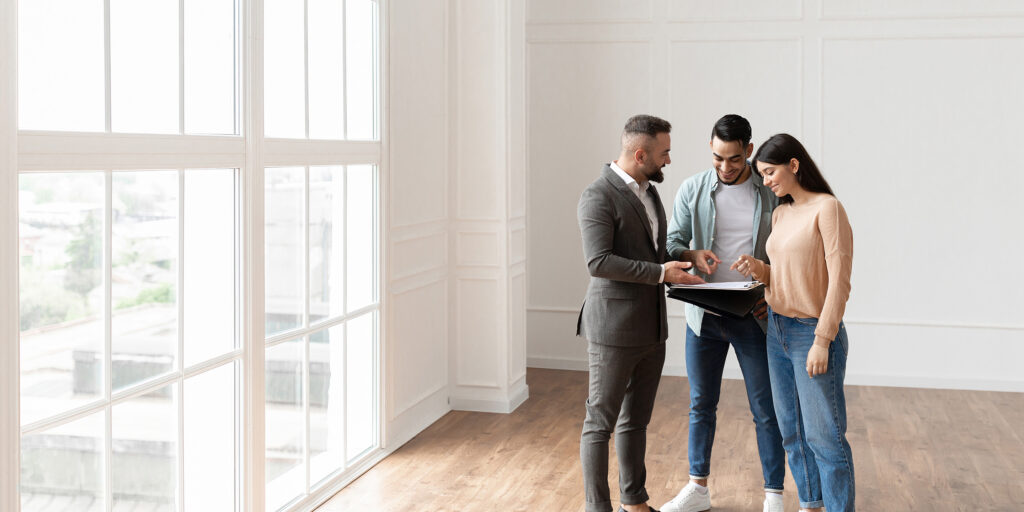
<point>812,413</point>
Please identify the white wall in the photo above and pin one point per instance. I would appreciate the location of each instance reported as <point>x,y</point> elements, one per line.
<point>456,272</point>
<point>911,108</point>
<point>416,343</point>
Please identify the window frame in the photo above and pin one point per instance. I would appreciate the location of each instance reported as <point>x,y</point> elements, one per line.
<point>37,151</point>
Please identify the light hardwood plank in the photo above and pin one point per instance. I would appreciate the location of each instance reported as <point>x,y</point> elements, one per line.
<point>914,449</point>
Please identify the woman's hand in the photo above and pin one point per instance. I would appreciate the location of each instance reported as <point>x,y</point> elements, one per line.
<point>817,360</point>
<point>750,266</point>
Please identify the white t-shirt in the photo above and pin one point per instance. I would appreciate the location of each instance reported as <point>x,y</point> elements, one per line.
<point>734,227</point>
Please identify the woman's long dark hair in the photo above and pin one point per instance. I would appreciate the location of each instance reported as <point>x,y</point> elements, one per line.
<point>780,149</point>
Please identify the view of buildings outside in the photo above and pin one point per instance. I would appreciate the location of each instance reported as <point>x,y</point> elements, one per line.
<point>63,309</point>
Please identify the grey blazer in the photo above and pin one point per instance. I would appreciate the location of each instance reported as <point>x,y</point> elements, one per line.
<point>625,303</point>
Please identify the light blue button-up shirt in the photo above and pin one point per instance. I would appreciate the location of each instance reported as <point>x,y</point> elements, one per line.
<point>692,226</point>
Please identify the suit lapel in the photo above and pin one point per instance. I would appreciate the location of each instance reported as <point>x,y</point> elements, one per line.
<point>632,199</point>
<point>662,222</point>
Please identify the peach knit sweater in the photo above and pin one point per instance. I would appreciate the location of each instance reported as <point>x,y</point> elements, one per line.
<point>811,254</point>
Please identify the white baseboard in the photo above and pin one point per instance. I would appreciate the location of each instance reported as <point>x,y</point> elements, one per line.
<point>499,404</point>
<point>881,353</point>
<point>552,363</point>
<point>415,419</point>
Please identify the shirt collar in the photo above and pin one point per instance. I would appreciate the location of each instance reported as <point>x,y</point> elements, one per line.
<point>630,182</point>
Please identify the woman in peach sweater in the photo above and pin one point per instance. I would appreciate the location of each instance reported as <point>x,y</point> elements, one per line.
<point>807,285</point>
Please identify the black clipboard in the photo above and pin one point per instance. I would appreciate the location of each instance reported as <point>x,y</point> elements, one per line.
<point>729,303</point>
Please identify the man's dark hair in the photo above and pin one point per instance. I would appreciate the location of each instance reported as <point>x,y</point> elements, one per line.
<point>732,127</point>
<point>647,125</point>
<point>641,128</point>
<point>781,149</point>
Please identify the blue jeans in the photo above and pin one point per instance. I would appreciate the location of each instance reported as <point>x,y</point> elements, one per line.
<point>705,360</point>
<point>812,413</point>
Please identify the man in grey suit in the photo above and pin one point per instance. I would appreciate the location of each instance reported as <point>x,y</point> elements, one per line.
<point>622,222</point>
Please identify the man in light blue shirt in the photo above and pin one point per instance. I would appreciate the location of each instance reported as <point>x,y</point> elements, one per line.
<point>717,216</point>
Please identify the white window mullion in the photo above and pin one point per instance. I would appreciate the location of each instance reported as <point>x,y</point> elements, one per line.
<point>306,451</point>
<point>294,153</point>
<point>181,444</point>
<point>10,437</point>
<point>240,429</point>
<point>320,326</point>
<point>107,123</point>
<point>108,343</point>
<point>180,288</point>
<point>344,398</point>
<point>181,66</point>
<point>57,151</point>
<point>237,54</point>
<point>344,70</point>
<point>307,317</point>
<point>305,59</point>
<point>253,285</point>
<point>180,359</point>
<point>344,309</point>
<point>108,466</point>
<point>383,230</point>
<point>240,346</point>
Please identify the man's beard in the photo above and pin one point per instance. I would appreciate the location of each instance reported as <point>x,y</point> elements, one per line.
<point>657,176</point>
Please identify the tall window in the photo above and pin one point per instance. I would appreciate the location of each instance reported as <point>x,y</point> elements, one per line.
<point>320,231</point>
<point>134,335</point>
<point>321,324</point>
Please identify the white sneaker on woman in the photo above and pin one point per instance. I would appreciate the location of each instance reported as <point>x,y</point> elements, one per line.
<point>689,499</point>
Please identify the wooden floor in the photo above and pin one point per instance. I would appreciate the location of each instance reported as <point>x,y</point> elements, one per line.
<point>914,449</point>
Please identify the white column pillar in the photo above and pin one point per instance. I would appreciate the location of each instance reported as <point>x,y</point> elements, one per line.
<point>488,356</point>
<point>10,429</point>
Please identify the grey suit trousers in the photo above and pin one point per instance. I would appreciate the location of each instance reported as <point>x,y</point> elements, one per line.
<point>623,384</point>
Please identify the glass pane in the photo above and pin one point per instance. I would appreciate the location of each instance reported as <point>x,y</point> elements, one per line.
<point>361,385</point>
<point>144,66</point>
<point>326,69</point>
<point>62,468</point>
<point>144,458</point>
<point>144,275</point>
<point>361,240</point>
<point>326,403</point>
<point>61,79</point>
<point>326,234</point>
<point>210,66</point>
<point>210,441</point>
<point>284,258</point>
<point>60,239</point>
<point>284,69</point>
<point>286,423</point>
<point>209,287</point>
<point>361,59</point>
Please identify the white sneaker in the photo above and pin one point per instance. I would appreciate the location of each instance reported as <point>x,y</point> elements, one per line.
<point>689,499</point>
<point>773,505</point>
